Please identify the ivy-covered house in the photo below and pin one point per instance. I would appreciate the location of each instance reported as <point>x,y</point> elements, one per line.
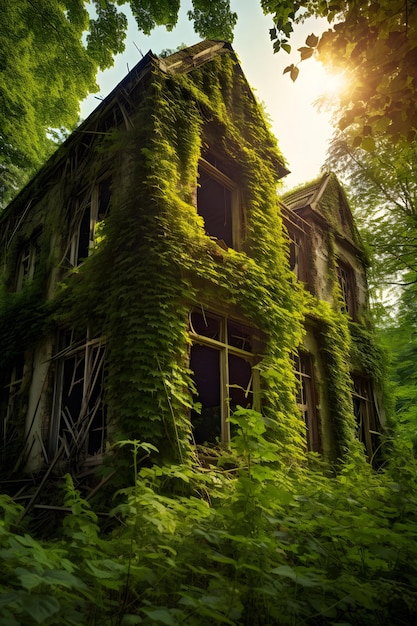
<point>152,282</point>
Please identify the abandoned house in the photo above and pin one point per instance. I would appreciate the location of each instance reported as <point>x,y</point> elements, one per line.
<point>152,282</point>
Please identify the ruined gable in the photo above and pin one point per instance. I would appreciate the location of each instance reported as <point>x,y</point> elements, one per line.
<point>167,282</point>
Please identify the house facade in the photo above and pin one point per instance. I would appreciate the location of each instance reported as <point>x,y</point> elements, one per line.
<point>152,282</point>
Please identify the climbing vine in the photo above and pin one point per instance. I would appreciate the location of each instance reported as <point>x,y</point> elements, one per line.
<point>153,262</point>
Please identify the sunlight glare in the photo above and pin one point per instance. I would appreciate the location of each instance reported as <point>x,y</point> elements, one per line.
<point>334,84</point>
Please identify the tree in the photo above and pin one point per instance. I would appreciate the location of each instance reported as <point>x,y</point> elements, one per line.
<point>45,71</point>
<point>50,51</point>
<point>383,191</point>
<point>375,45</point>
<point>400,337</point>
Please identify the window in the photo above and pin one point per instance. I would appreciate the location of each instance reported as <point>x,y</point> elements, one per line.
<point>345,275</point>
<point>298,262</point>
<point>93,207</point>
<point>79,413</point>
<point>223,354</point>
<point>8,401</point>
<point>367,422</point>
<point>218,205</point>
<point>28,261</point>
<point>307,399</point>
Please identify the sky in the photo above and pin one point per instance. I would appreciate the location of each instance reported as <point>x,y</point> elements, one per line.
<point>302,131</point>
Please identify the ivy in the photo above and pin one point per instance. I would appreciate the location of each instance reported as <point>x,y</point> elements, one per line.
<point>156,261</point>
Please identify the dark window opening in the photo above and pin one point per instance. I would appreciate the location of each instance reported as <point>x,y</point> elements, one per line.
<point>79,428</point>
<point>215,205</point>
<point>9,397</point>
<point>347,286</point>
<point>367,422</point>
<point>28,262</point>
<point>306,399</point>
<point>94,207</point>
<point>83,246</point>
<point>240,382</point>
<point>104,195</point>
<point>205,363</point>
<point>222,361</point>
<point>206,325</point>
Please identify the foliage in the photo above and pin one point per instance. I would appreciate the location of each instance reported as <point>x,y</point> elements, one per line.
<point>47,70</point>
<point>23,322</point>
<point>158,248</point>
<point>383,194</point>
<point>400,337</point>
<point>213,20</point>
<point>374,44</point>
<point>254,544</point>
<point>51,51</point>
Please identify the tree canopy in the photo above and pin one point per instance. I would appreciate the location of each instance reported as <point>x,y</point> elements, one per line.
<point>383,190</point>
<point>375,45</point>
<point>51,51</point>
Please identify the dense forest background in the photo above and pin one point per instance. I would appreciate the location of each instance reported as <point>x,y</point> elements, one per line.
<point>250,541</point>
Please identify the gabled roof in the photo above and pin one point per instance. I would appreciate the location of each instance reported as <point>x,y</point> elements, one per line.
<point>308,195</point>
<point>189,58</point>
<point>182,61</point>
<point>324,200</point>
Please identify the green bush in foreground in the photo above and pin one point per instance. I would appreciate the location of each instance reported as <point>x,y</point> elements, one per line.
<point>244,543</point>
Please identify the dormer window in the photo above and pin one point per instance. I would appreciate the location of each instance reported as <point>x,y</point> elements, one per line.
<point>219,206</point>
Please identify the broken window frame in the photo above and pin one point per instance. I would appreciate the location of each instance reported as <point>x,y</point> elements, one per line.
<point>366,414</point>
<point>28,261</point>
<point>70,435</point>
<point>236,213</point>
<point>306,398</point>
<point>223,347</point>
<point>347,283</point>
<point>10,394</point>
<point>90,213</point>
<point>298,260</point>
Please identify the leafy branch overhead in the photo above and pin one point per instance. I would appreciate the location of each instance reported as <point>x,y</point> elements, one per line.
<point>375,45</point>
<point>51,51</point>
<point>306,52</point>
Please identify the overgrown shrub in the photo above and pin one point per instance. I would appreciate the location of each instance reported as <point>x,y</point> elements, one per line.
<point>246,543</point>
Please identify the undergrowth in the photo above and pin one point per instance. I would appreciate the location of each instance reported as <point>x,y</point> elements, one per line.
<point>247,543</point>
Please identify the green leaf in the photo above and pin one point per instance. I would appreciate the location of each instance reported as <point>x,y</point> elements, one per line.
<point>161,616</point>
<point>286,571</point>
<point>128,620</point>
<point>368,143</point>
<point>41,607</point>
